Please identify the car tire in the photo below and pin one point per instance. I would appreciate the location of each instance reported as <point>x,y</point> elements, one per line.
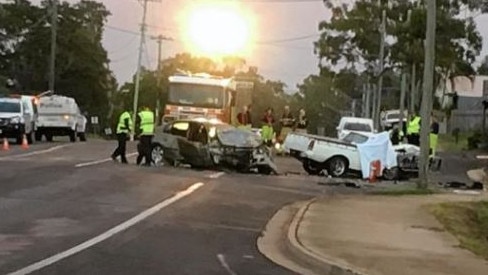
<point>337,166</point>
<point>264,170</point>
<point>72,136</point>
<point>38,136</point>
<point>49,137</point>
<point>157,154</point>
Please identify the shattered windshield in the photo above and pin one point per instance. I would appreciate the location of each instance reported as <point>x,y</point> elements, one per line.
<point>239,137</point>
<point>204,96</point>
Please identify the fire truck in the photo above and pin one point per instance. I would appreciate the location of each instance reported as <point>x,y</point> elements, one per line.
<point>204,95</point>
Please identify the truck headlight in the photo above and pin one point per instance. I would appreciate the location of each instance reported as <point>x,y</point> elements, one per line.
<point>15,120</point>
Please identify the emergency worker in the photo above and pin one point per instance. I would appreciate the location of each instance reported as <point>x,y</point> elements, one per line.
<point>433,135</point>
<point>267,130</point>
<point>124,126</point>
<point>302,123</point>
<point>145,120</point>
<point>286,122</point>
<point>413,129</point>
<point>244,119</point>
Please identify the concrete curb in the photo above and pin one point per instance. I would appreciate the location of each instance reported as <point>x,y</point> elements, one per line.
<point>329,265</point>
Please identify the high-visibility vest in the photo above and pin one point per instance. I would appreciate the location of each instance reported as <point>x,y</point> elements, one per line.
<point>147,122</point>
<point>414,126</point>
<point>121,127</point>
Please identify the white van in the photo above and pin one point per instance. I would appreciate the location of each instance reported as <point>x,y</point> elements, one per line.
<point>354,124</point>
<point>60,116</point>
<point>17,117</point>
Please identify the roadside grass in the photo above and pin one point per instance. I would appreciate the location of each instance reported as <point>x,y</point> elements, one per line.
<point>447,142</point>
<point>467,221</point>
<point>403,191</point>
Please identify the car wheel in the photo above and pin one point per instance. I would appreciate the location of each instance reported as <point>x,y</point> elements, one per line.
<point>391,174</point>
<point>157,155</point>
<point>72,136</point>
<point>264,170</point>
<point>337,166</point>
<point>49,137</point>
<point>38,136</point>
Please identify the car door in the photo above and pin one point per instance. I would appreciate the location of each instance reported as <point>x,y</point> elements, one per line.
<point>194,148</point>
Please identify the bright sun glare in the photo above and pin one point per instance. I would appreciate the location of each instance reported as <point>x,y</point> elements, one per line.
<point>215,29</point>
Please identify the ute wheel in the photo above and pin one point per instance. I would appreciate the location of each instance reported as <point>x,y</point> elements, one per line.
<point>310,168</point>
<point>391,174</point>
<point>337,166</point>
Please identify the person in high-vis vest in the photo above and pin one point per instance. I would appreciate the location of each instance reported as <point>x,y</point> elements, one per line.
<point>145,121</point>
<point>124,127</point>
<point>433,136</point>
<point>267,130</point>
<point>413,129</point>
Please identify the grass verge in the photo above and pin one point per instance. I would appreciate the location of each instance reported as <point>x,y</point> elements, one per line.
<point>447,142</point>
<point>468,221</point>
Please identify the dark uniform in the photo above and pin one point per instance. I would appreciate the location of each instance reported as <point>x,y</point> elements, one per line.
<point>145,120</point>
<point>124,126</point>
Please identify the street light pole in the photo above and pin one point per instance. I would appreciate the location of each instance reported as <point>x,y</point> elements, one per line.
<point>52,59</point>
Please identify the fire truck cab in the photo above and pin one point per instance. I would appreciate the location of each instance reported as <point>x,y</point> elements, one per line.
<point>199,95</point>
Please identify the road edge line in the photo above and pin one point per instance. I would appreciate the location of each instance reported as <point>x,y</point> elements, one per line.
<point>38,152</point>
<point>109,233</point>
<point>90,163</point>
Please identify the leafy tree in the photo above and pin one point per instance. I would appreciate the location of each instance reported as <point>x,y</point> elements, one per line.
<point>483,68</point>
<point>82,69</point>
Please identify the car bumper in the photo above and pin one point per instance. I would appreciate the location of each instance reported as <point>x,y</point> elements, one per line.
<point>57,131</point>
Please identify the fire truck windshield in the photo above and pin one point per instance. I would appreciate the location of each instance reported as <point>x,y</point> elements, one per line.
<point>204,96</point>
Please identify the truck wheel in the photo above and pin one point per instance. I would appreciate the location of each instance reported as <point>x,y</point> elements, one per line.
<point>72,136</point>
<point>337,166</point>
<point>38,136</point>
<point>82,137</point>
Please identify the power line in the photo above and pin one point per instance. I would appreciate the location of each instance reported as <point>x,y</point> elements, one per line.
<point>290,39</point>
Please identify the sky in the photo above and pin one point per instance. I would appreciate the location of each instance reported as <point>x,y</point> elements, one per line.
<point>284,31</point>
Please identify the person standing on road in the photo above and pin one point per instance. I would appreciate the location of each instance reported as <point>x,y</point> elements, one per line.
<point>124,126</point>
<point>243,120</point>
<point>145,120</point>
<point>413,129</point>
<point>286,122</point>
<point>267,130</point>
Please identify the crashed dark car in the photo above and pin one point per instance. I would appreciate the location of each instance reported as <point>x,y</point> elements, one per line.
<point>207,143</point>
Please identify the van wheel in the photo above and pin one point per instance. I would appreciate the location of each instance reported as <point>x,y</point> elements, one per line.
<point>310,168</point>
<point>72,136</point>
<point>337,166</point>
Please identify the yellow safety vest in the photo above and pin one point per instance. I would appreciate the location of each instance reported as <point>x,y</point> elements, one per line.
<point>414,126</point>
<point>121,128</point>
<point>147,123</point>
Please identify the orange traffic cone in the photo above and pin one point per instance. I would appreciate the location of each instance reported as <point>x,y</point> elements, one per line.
<point>5,144</point>
<point>25,144</point>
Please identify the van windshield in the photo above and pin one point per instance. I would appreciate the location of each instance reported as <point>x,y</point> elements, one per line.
<point>9,107</point>
<point>360,127</point>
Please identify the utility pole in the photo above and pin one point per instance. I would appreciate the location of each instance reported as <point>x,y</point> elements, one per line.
<point>52,60</point>
<point>380,79</point>
<point>363,102</point>
<point>368,100</point>
<point>139,61</point>
<point>159,39</point>
<point>428,87</point>
<point>403,84</point>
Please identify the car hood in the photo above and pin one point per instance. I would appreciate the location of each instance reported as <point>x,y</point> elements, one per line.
<point>9,115</point>
<point>239,138</point>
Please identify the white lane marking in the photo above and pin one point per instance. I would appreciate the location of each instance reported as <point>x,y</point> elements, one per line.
<point>100,161</point>
<point>224,264</point>
<point>35,152</point>
<point>109,233</point>
<point>482,157</point>
<point>216,175</point>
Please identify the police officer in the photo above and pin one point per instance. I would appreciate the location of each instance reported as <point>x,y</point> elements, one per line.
<point>145,120</point>
<point>124,126</point>
<point>413,130</point>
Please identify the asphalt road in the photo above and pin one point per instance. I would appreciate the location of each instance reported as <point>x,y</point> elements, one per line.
<point>68,209</point>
